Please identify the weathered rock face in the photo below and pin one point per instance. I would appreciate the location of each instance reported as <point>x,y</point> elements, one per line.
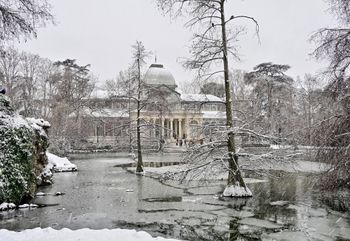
<point>23,143</point>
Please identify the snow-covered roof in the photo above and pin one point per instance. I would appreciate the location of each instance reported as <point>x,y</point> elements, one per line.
<point>158,75</point>
<point>214,115</point>
<point>99,93</point>
<point>105,113</point>
<point>200,98</point>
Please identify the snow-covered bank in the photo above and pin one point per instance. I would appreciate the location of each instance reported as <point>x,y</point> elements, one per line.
<point>61,164</point>
<point>39,234</point>
<point>23,143</point>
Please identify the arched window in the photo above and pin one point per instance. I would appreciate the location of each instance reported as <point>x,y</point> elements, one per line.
<point>195,129</point>
<point>100,130</point>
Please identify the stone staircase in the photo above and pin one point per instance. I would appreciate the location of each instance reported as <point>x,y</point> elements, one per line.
<point>171,147</point>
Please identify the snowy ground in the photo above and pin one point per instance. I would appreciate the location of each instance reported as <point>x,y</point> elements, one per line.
<point>46,234</point>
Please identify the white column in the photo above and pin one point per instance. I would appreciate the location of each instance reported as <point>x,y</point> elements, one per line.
<point>175,127</point>
<point>188,128</point>
<point>171,129</point>
<point>154,127</point>
<point>149,126</point>
<point>170,132</point>
<point>180,129</point>
<point>200,123</point>
<point>162,126</point>
<point>167,129</point>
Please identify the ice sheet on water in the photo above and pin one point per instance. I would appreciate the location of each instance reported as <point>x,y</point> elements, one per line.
<point>260,223</point>
<point>286,236</point>
<point>279,203</point>
<point>229,212</point>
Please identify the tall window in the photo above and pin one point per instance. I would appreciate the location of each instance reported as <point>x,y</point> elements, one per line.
<point>100,130</point>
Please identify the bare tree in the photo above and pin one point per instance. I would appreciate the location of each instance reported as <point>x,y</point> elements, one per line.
<point>46,69</point>
<point>188,87</point>
<point>26,78</point>
<point>22,18</point>
<point>124,86</point>
<point>139,56</point>
<point>29,83</point>
<point>213,46</point>
<point>333,45</point>
<point>312,106</point>
<point>10,71</point>
<point>213,88</point>
<point>240,89</point>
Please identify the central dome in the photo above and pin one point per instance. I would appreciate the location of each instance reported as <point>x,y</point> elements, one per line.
<point>158,75</point>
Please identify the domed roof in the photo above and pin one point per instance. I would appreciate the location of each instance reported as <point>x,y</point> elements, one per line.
<point>158,75</point>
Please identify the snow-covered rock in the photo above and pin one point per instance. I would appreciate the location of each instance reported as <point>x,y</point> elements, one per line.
<point>39,234</point>
<point>40,194</point>
<point>61,164</point>
<point>7,206</point>
<point>46,175</point>
<point>23,206</point>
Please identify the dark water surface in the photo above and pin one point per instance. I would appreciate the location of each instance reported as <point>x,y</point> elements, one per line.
<point>102,194</point>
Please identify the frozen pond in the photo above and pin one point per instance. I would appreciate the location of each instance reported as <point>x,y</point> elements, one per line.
<point>103,194</point>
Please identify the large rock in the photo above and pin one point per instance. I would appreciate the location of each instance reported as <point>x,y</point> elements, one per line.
<point>23,144</point>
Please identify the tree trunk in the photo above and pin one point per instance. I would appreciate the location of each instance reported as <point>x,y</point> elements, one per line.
<point>139,167</point>
<point>234,175</point>
<point>130,124</point>
<point>269,108</point>
<point>309,118</point>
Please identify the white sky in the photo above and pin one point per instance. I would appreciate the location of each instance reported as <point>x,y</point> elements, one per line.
<point>101,32</point>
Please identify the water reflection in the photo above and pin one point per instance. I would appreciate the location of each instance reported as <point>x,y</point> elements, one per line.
<point>276,189</point>
<point>285,205</point>
<point>234,231</point>
<point>101,195</point>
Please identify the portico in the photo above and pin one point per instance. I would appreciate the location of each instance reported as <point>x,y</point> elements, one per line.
<point>169,128</point>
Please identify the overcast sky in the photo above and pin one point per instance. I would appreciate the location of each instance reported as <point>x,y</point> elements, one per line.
<point>101,32</point>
